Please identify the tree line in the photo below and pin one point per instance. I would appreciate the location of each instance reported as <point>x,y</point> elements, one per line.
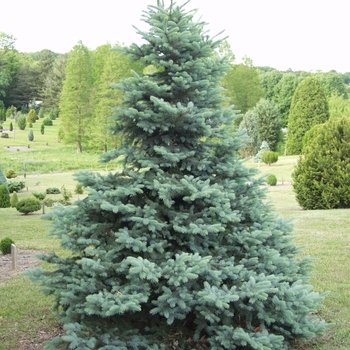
<point>79,87</point>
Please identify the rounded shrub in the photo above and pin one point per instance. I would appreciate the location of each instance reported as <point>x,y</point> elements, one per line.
<point>321,178</point>
<point>16,186</point>
<point>269,157</point>
<point>271,180</point>
<point>4,135</point>
<point>10,174</point>
<point>53,190</point>
<point>28,205</point>
<point>5,245</point>
<point>22,122</point>
<point>47,122</point>
<point>39,195</point>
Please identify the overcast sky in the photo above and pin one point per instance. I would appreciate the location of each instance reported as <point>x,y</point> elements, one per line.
<point>300,34</point>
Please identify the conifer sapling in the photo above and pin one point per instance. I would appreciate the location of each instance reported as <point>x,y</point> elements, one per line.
<point>178,250</point>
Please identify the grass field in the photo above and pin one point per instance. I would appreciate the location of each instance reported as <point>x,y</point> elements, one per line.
<point>24,312</point>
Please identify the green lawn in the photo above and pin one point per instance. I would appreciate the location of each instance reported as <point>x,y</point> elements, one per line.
<point>323,234</point>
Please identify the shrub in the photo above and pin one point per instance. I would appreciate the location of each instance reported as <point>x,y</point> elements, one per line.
<point>14,199</point>
<point>31,118</point>
<point>28,205</point>
<point>47,122</point>
<point>79,189</point>
<point>22,122</point>
<point>39,195</point>
<point>271,180</point>
<point>49,201</point>
<point>263,148</point>
<point>11,174</point>
<point>4,196</point>
<point>5,245</point>
<point>53,114</point>
<point>16,186</point>
<point>321,178</point>
<point>53,190</point>
<point>11,126</point>
<point>41,113</point>
<point>42,129</point>
<point>269,157</point>
<point>66,196</point>
<point>30,135</point>
<point>4,135</point>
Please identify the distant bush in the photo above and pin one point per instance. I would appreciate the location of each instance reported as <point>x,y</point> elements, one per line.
<point>14,199</point>
<point>5,245</point>
<point>22,122</point>
<point>42,129</point>
<point>30,135</point>
<point>16,186</point>
<point>53,114</point>
<point>11,174</point>
<point>49,202</point>
<point>47,122</point>
<point>39,195</point>
<point>28,205</point>
<point>4,196</point>
<point>11,126</point>
<point>269,157</point>
<point>271,180</point>
<point>53,190</point>
<point>4,135</point>
<point>31,118</point>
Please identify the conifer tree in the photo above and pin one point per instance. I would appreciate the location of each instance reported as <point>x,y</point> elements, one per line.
<point>309,107</point>
<point>178,250</point>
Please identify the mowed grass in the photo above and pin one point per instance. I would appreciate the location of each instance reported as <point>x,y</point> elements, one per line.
<point>323,234</point>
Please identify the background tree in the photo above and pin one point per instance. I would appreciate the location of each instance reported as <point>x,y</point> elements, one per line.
<point>333,84</point>
<point>321,178</point>
<point>269,79</point>
<point>75,106</point>
<point>4,196</point>
<point>269,122</point>
<point>283,94</point>
<point>338,107</point>
<point>110,66</point>
<point>309,107</point>
<point>243,86</point>
<point>53,83</point>
<point>178,249</point>
<point>250,124</point>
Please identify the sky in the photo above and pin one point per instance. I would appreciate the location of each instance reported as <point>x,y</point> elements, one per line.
<point>284,34</point>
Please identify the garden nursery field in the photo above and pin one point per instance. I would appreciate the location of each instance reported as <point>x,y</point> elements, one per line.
<point>26,319</point>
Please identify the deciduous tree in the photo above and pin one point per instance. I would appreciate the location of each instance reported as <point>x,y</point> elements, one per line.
<point>75,99</point>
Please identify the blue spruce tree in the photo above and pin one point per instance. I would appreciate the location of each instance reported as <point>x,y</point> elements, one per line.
<point>178,249</point>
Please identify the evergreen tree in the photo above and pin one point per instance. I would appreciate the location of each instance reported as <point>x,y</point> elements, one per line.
<point>309,107</point>
<point>4,196</point>
<point>30,135</point>
<point>14,199</point>
<point>250,124</point>
<point>31,117</point>
<point>179,250</point>
<point>269,122</point>
<point>321,178</point>
<point>75,99</point>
